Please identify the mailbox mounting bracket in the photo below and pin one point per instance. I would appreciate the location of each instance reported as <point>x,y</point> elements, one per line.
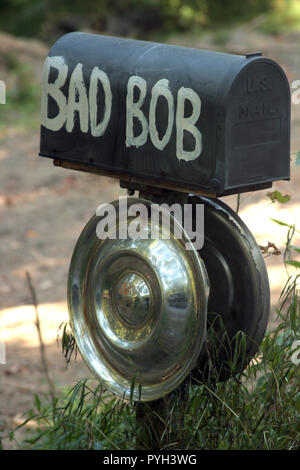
<point>134,183</point>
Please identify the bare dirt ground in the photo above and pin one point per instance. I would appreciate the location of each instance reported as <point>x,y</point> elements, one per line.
<point>43,210</point>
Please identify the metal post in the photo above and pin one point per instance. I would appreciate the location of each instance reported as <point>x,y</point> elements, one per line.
<point>160,423</point>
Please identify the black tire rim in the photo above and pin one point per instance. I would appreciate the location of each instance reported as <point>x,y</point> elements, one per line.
<point>239,299</point>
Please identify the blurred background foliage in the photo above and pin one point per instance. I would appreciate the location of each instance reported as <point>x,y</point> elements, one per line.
<point>182,21</point>
<point>48,19</point>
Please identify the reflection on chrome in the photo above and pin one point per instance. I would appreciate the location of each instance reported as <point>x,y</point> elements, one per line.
<point>138,309</point>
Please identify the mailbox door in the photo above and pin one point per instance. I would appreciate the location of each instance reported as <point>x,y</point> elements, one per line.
<point>258,126</point>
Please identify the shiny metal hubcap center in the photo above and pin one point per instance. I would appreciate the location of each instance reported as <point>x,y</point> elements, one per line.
<point>132,298</point>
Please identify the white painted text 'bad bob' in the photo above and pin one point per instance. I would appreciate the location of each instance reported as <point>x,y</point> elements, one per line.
<point>84,102</point>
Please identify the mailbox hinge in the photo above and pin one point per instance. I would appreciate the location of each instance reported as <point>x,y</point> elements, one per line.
<point>154,194</point>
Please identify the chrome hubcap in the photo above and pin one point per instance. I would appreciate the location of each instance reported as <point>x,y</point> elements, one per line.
<point>138,309</point>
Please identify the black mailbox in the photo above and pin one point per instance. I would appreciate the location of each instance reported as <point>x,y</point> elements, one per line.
<point>173,117</point>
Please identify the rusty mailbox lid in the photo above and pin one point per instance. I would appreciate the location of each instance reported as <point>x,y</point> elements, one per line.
<point>173,117</point>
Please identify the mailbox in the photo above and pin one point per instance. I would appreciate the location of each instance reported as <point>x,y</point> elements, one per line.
<point>174,117</point>
<point>181,125</point>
